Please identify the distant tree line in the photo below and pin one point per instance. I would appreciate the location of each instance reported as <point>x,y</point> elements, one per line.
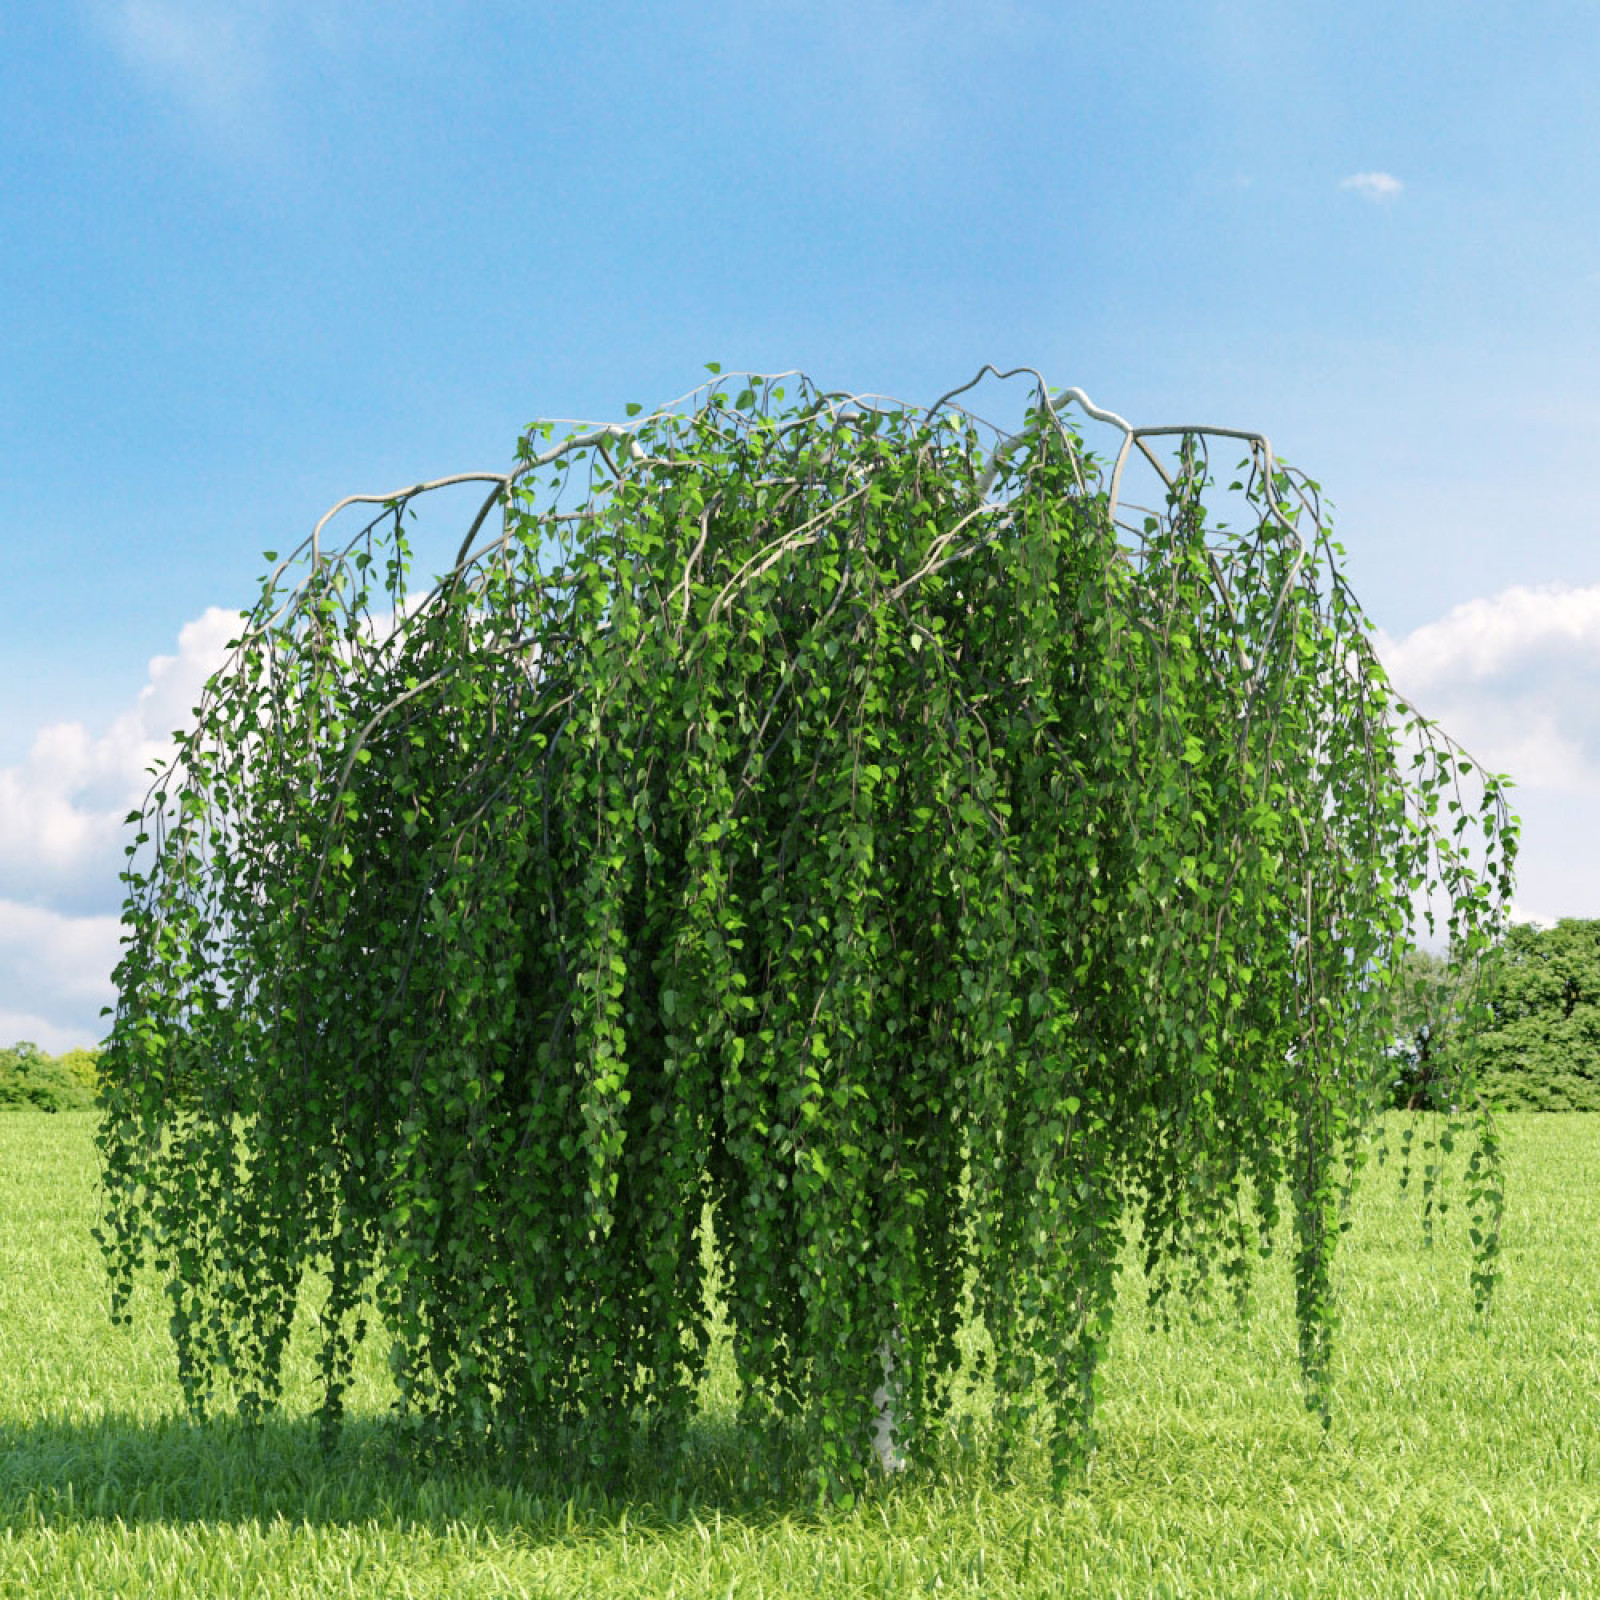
<point>31,1080</point>
<point>1540,1050</point>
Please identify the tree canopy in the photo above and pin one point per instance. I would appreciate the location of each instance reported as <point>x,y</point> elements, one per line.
<point>1535,1030</point>
<point>829,818</point>
<point>1540,1042</point>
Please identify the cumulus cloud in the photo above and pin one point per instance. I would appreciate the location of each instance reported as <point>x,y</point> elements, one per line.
<point>55,976</point>
<point>61,843</point>
<point>1518,913</point>
<point>62,837</point>
<point>1515,679</point>
<point>1375,186</point>
<point>61,809</point>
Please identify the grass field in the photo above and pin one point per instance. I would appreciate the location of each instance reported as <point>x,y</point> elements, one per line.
<point>1461,1462</point>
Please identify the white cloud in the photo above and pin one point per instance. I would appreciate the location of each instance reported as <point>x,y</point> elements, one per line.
<point>55,975</point>
<point>62,836</point>
<point>1519,914</point>
<point>61,810</point>
<point>61,843</point>
<point>1516,680</point>
<point>1375,186</point>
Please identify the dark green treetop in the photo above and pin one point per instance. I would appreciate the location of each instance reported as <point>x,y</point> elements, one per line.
<point>1541,1042</point>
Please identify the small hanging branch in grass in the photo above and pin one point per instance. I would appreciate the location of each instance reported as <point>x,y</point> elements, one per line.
<point>832,819</point>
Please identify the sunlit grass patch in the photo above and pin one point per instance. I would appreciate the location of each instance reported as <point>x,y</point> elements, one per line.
<point>1464,1458</point>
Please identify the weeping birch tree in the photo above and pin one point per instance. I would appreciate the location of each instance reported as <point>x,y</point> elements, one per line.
<point>845,816</point>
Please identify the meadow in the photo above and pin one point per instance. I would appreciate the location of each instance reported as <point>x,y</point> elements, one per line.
<point>1464,1459</point>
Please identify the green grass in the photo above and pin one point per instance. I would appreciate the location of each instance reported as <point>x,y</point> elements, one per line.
<point>1462,1461</point>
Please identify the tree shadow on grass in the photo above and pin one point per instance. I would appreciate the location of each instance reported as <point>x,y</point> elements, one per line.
<point>170,1470</point>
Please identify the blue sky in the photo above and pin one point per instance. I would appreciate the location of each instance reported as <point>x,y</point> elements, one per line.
<point>256,256</point>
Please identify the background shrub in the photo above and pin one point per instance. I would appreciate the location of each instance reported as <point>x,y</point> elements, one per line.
<point>30,1080</point>
<point>1433,999</point>
<point>1541,1051</point>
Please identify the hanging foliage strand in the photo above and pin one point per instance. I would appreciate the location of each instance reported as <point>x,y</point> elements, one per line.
<point>829,820</point>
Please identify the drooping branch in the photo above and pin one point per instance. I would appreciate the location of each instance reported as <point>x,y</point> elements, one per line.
<point>830,820</point>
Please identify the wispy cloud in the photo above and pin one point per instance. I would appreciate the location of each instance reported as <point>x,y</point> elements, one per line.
<point>1378,187</point>
<point>212,60</point>
<point>230,67</point>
